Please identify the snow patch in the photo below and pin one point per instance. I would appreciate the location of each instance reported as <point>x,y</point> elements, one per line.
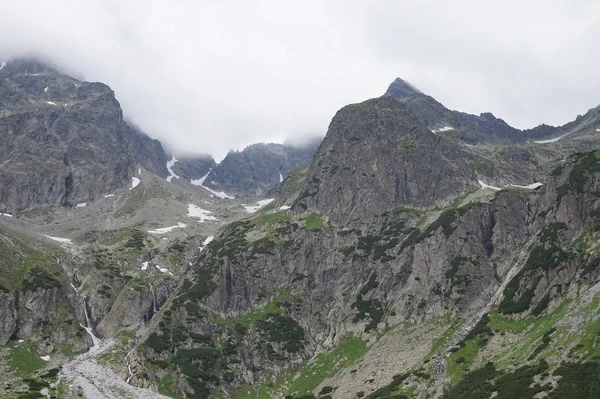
<point>45,358</point>
<point>167,229</point>
<point>145,266</point>
<point>21,341</point>
<point>205,243</point>
<point>7,215</point>
<point>46,89</point>
<point>139,171</point>
<point>170,169</point>
<point>469,145</point>
<point>164,270</point>
<point>598,130</point>
<point>260,204</point>
<point>197,212</point>
<point>554,140</point>
<point>59,239</point>
<point>280,177</point>
<point>109,195</point>
<point>484,186</point>
<point>50,102</point>
<point>2,65</point>
<point>81,205</point>
<point>443,129</point>
<point>134,182</point>
<point>200,182</point>
<point>284,208</point>
<point>529,186</point>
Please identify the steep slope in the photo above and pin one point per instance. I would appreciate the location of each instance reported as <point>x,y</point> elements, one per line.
<point>377,156</point>
<point>193,167</point>
<point>64,141</point>
<point>272,291</point>
<point>258,167</point>
<point>323,299</point>
<point>485,128</point>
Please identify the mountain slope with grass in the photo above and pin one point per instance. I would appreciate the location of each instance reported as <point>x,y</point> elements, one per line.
<point>391,267</point>
<point>400,263</point>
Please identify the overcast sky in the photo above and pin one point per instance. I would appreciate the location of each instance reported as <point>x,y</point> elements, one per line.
<point>207,76</point>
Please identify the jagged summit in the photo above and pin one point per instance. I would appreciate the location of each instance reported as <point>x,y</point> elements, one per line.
<point>402,89</point>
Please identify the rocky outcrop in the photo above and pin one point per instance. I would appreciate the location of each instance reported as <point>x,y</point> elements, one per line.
<point>376,156</point>
<point>485,128</point>
<point>37,303</point>
<point>64,141</point>
<point>258,167</point>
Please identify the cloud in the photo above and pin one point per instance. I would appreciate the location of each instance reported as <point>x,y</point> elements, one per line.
<point>207,76</point>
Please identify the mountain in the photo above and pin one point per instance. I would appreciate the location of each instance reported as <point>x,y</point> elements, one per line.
<point>193,167</point>
<point>397,262</point>
<point>64,142</point>
<point>390,268</point>
<point>485,128</point>
<point>251,171</point>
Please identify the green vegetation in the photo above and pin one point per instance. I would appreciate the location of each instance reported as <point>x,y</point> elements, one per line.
<point>284,330</point>
<point>368,308</point>
<point>586,164</point>
<point>446,221</point>
<point>578,381</point>
<point>313,222</point>
<point>483,382</point>
<point>274,218</point>
<point>39,278</point>
<point>24,361</point>
<point>545,342</point>
<point>312,373</point>
<point>390,389</point>
<point>509,303</point>
<point>27,263</point>
<point>165,387</point>
<point>546,256</point>
<point>406,143</point>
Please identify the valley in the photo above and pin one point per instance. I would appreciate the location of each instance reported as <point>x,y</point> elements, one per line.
<point>414,252</point>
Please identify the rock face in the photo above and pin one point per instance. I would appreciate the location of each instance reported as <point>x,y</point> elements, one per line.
<point>377,156</point>
<point>193,167</point>
<point>37,303</point>
<point>485,128</point>
<point>64,141</point>
<point>388,226</point>
<point>259,166</point>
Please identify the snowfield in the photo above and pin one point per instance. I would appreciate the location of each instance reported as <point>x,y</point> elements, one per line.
<point>554,140</point>
<point>134,182</point>
<point>59,239</point>
<point>200,182</point>
<point>170,165</point>
<point>484,186</point>
<point>530,186</point>
<point>443,129</point>
<point>197,212</point>
<point>259,204</point>
<point>165,230</point>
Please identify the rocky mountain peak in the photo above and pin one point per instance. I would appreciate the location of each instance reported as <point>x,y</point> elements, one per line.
<point>401,89</point>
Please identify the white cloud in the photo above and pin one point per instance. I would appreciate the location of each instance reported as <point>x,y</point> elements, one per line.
<point>207,76</point>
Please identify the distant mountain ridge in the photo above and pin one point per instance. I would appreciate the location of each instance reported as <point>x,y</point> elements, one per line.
<point>473,129</point>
